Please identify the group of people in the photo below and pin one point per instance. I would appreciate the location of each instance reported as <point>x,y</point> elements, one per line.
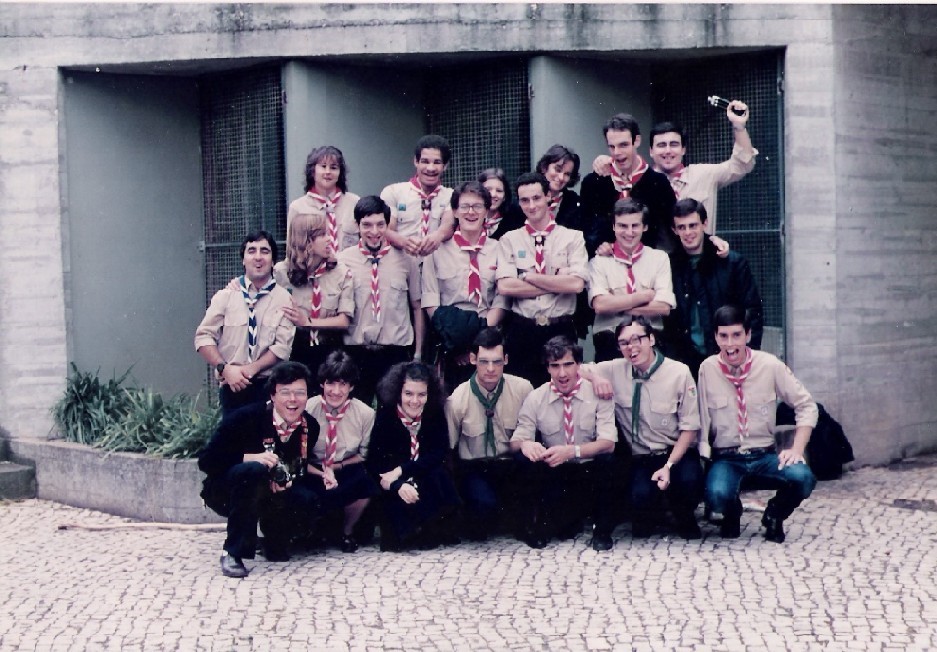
<point>395,302</point>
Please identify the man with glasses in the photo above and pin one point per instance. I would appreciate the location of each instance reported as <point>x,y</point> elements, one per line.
<point>482,414</point>
<point>255,465</point>
<point>658,415</point>
<point>634,280</point>
<point>459,290</point>
<point>244,331</point>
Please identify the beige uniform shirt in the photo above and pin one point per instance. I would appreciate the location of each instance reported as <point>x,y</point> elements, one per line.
<point>399,280</point>
<point>354,430</point>
<point>542,411</point>
<point>225,325</point>
<point>405,205</point>
<point>608,276</point>
<point>336,286</point>
<point>344,215</point>
<point>702,181</point>
<point>446,273</point>
<point>467,419</point>
<point>668,403</point>
<point>564,248</point>
<point>769,380</point>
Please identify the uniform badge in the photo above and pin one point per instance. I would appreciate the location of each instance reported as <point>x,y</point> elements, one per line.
<point>402,207</point>
<point>522,253</point>
<point>665,421</point>
<point>692,391</point>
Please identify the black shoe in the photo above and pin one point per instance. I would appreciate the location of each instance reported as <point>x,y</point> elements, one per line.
<point>349,544</point>
<point>276,553</point>
<point>774,528</point>
<point>689,529</point>
<point>232,566</point>
<point>601,541</point>
<point>731,527</point>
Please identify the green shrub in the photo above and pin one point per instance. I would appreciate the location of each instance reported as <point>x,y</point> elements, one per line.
<point>130,419</point>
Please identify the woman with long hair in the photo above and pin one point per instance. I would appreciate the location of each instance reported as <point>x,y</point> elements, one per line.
<point>408,449</point>
<point>326,184</point>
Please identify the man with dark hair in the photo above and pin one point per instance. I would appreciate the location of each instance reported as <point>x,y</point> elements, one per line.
<point>420,218</point>
<point>565,435</point>
<point>543,266</point>
<point>246,464</point>
<point>387,287</point>
<point>702,282</point>
<point>244,332</point>
<point>657,411</point>
<point>738,391</point>
<point>630,176</point>
<point>634,280</point>
<point>482,414</point>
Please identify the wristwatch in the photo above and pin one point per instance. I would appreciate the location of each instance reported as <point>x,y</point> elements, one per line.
<point>668,465</point>
<point>220,367</point>
<point>578,451</point>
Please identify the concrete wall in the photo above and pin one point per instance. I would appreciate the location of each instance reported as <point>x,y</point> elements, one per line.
<point>352,107</point>
<point>886,226</point>
<point>558,113</point>
<point>859,85</point>
<point>134,201</point>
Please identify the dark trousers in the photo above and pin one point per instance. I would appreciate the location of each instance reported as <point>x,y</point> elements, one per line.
<point>559,497</point>
<point>243,495</point>
<point>524,342</point>
<point>313,355</point>
<point>373,362</point>
<point>487,488</point>
<point>684,493</point>
<point>725,477</point>
<point>253,393</point>
<point>606,346</point>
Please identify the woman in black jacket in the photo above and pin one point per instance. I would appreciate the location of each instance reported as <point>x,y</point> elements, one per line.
<point>409,445</point>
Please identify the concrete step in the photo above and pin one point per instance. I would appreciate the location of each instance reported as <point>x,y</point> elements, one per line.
<point>17,481</point>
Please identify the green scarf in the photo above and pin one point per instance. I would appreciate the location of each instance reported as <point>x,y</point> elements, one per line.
<point>489,405</point>
<point>639,379</point>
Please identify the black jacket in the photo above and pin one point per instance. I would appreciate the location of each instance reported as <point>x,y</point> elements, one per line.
<point>598,197</point>
<point>714,283</point>
<point>390,445</point>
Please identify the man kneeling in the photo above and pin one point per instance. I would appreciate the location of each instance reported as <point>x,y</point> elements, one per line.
<point>738,391</point>
<point>251,462</point>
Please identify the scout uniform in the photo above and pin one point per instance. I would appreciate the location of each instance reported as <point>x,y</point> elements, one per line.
<point>406,206</point>
<point>344,211</point>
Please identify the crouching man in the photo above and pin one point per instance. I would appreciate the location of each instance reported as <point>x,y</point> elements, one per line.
<point>738,390</point>
<point>255,465</point>
<point>564,434</point>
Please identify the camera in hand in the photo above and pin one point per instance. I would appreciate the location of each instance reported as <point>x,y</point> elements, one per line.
<point>280,472</point>
<point>722,103</point>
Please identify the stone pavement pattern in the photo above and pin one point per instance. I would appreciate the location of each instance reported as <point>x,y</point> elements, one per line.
<point>858,572</point>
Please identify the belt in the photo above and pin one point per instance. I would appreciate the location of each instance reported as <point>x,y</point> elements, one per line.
<point>736,450</point>
<point>543,320</point>
<point>659,453</point>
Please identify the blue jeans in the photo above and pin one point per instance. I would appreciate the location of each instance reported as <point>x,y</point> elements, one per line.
<point>725,476</point>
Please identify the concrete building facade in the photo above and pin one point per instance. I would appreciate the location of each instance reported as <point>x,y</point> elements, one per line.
<point>103,189</point>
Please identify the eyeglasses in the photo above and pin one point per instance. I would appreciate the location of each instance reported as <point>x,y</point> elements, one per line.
<point>634,341</point>
<point>291,393</point>
<point>491,363</point>
<point>472,208</point>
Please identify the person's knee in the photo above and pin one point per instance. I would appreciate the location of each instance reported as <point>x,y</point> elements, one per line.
<point>719,494</point>
<point>801,479</point>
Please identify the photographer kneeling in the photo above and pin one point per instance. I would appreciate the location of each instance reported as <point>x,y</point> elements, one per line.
<point>253,464</point>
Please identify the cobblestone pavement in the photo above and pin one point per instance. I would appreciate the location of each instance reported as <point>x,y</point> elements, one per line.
<point>858,571</point>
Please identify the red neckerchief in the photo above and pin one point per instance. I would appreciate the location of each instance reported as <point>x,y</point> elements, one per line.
<point>316,298</point>
<point>286,431</point>
<point>540,238</point>
<point>330,204</point>
<point>331,437</point>
<point>676,180</point>
<point>474,279</point>
<point>568,427</point>
<point>491,222</point>
<point>413,427</point>
<point>624,186</point>
<point>553,204</point>
<point>628,261</point>
<point>737,381</point>
<point>426,203</point>
<point>375,258</point>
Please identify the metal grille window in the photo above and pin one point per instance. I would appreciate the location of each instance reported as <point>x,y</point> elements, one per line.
<point>482,110</point>
<point>244,184</point>
<point>751,211</point>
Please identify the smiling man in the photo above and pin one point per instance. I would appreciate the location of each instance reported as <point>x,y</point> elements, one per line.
<point>239,461</point>
<point>739,389</point>
<point>702,282</point>
<point>420,219</point>
<point>245,332</point>
<point>564,438</point>
<point>656,409</point>
<point>634,280</point>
